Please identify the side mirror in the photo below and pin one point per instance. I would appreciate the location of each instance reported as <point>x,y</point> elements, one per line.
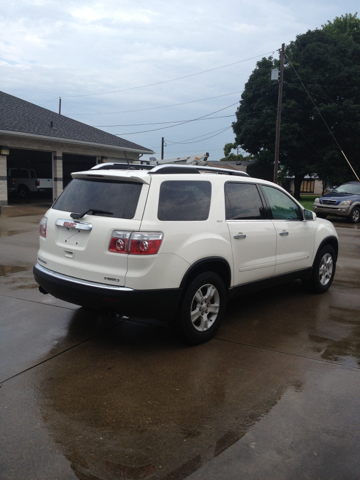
<point>309,215</point>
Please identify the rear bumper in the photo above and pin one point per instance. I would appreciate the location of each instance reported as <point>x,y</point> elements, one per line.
<point>160,304</point>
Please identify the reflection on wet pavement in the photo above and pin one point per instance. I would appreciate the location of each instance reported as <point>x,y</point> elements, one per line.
<point>92,397</point>
<point>347,347</point>
<point>16,278</point>
<point>10,233</point>
<point>151,408</point>
<point>8,269</point>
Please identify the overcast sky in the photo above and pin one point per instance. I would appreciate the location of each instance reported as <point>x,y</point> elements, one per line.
<point>140,68</point>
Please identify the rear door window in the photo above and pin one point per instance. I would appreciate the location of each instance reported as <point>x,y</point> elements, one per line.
<point>184,200</point>
<point>118,198</point>
<point>243,202</point>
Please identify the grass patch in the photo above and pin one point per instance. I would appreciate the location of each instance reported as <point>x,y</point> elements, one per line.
<point>308,200</point>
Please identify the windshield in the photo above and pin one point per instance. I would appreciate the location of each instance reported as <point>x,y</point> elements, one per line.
<point>100,197</point>
<point>351,188</point>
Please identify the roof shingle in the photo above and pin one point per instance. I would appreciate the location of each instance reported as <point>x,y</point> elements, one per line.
<point>20,116</point>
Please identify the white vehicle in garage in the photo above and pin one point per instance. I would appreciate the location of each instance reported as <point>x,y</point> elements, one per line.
<point>24,181</point>
<point>175,242</point>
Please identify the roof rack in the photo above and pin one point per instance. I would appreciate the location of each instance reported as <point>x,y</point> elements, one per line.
<point>169,169</point>
<point>161,169</point>
<point>122,166</point>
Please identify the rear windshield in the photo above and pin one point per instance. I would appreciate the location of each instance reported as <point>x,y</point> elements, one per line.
<point>118,198</point>
<point>184,200</point>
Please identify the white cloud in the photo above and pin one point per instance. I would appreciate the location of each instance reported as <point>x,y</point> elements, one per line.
<point>99,13</point>
<point>83,47</point>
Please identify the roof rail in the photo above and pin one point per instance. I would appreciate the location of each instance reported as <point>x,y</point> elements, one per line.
<point>122,166</point>
<point>169,169</point>
<point>161,169</point>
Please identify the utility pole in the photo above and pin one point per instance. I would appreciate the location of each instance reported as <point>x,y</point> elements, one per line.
<point>162,148</point>
<point>278,117</point>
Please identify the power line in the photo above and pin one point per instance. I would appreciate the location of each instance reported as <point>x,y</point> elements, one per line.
<point>327,126</point>
<point>168,81</point>
<point>186,142</point>
<point>178,124</point>
<point>162,106</point>
<point>48,101</point>
<point>159,123</point>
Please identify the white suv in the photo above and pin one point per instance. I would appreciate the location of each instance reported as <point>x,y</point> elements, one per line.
<point>175,242</point>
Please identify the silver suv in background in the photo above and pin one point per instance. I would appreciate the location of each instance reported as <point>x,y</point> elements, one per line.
<point>343,201</point>
<point>176,242</point>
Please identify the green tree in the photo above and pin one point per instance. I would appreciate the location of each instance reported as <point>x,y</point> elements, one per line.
<point>228,147</point>
<point>321,99</point>
<point>345,25</point>
<point>231,156</point>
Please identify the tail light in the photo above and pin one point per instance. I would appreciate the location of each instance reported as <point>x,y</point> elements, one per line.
<point>119,242</point>
<point>145,243</point>
<point>136,243</point>
<point>43,227</point>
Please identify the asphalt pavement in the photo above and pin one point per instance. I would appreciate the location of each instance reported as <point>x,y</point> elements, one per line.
<point>85,395</point>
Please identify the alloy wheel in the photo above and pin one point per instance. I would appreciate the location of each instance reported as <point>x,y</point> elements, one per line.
<point>326,269</point>
<point>205,307</point>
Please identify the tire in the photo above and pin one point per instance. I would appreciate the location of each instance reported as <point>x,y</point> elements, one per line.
<point>202,309</point>
<point>23,191</point>
<point>321,215</point>
<point>354,216</point>
<point>323,271</point>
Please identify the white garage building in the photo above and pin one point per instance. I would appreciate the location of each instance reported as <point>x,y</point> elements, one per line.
<point>53,144</point>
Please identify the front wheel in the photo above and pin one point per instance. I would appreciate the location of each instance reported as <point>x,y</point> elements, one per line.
<point>323,271</point>
<point>354,216</point>
<point>202,309</point>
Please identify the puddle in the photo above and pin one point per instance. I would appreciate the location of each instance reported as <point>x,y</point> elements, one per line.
<point>10,233</point>
<point>27,287</point>
<point>8,269</point>
<point>22,283</point>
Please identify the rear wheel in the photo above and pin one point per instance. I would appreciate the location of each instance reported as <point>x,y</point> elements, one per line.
<point>354,216</point>
<point>23,191</point>
<point>202,309</point>
<point>323,271</point>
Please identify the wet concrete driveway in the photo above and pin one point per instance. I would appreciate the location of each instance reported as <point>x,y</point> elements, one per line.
<point>276,395</point>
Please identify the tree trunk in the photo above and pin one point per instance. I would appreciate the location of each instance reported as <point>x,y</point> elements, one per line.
<point>297,184</point>
<point>323,187</point>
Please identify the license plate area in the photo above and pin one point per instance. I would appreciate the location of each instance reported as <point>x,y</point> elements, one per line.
<point>74,234</point>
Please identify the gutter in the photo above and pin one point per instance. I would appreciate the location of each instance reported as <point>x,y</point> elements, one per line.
<point>76,142</point>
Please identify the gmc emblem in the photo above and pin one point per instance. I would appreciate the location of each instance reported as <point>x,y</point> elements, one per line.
<point>70,224</point>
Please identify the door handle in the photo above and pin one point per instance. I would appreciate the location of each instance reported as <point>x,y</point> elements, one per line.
<point>284,233</point>
<point>239,236</point>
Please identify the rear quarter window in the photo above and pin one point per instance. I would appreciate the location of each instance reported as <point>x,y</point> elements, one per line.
<point>243,202</point>
<point>119,198</point>
<point>184,200</point>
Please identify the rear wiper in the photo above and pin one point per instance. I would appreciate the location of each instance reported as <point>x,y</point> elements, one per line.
<point>92,211</point>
